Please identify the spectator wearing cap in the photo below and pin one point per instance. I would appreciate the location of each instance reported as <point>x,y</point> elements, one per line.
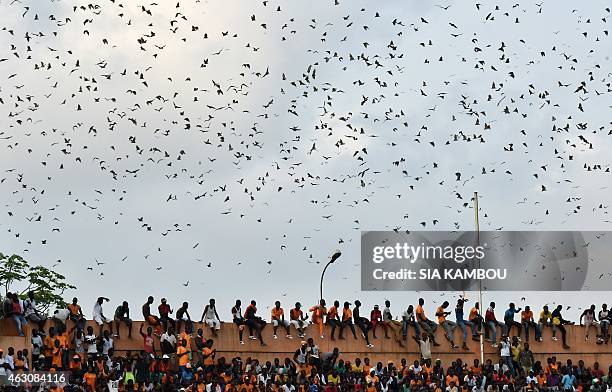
<point>165,311</point>
<point>376,319</point>
<point>300,356</point>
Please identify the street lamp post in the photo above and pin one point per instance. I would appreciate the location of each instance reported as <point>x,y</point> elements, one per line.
<point>334,257</point>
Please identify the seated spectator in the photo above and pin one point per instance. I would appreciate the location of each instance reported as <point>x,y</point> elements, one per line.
<point>375,319</point>
<point>76,314</point>
<point>509,321</point>
<point>238,319</point>
<point>347,320</point>
<point>165,311</point>
<point>447,325</point>
<point>590,320</point>
<point>16,313</point>
<point>122,315</point>
<point>333,318</point>
<point>559,322</point>
<point>98,314</point>
<point>409,319</point>
<point>278,319</point>
<point>60,316</point>
<point>318,316</point>
<point>298,319</point>
<point>528,322</point>
<point>389,323</point>
<point>492,323</point>
<point>31,313</point>
<point>604,323</point>
<point>211,317</point>
<point>427,325</point>
<point>182,316</point>
<point>151,319</point>
<point>362,322</point>
<point>254,322</point>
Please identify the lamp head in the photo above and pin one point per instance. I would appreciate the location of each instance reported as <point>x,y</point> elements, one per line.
<point>336,255</point>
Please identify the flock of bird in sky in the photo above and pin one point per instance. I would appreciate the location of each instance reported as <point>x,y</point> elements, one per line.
<point>139,132</point>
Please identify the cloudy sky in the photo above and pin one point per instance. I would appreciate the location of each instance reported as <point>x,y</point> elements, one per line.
<point>205,149</point>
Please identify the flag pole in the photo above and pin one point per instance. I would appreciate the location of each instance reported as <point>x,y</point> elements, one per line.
<point>479,280</point>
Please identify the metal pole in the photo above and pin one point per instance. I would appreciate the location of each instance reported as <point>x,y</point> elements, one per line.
<point>479,280</point>
<point>322,275</point>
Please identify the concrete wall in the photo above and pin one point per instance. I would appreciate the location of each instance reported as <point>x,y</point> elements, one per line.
<point>384,349</point>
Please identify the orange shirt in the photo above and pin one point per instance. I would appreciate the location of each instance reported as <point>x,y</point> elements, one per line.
<point>332,313</point>
<point>420,313</point>
<point>277,313</point>
<point>247,387</point>
<point>441,317</point>
<point>296,314</point>
<point>454,379</point>
<point>57,357</point>
<point>63,338</point>
<point>48,345</point>
<point>318,312</point>
<point>74,309</point>
<point>187,338</point>
<point>526,315</point>
<point>347,314</point>
<point>183,359</point>
<point>209,359</point>
<point>90,379</point>
<point>473,314</point>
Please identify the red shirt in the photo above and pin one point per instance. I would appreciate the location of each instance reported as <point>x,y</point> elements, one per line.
<point>376,315</point>
<point>148,343</point>
<point>164,309</point>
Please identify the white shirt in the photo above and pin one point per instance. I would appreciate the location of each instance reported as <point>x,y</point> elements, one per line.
<point>106,345</point>
<point>113,386</point>
<point>97,311</point>
<point>314,351</point>
<point>11,362</point>
<point>209,388</point>
<point>168,338</point>
<point>387,316</point>
<point>408,316</point>
<point>505,349</point>
<point>61,314</point>
<point>29,306</point>
<point>39,342</point>
<point>90,340</point>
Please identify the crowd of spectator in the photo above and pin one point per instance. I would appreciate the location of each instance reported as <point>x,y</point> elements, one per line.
<point>176,354</point>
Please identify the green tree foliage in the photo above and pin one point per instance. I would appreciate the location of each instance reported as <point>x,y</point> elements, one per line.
<point>18,276</point>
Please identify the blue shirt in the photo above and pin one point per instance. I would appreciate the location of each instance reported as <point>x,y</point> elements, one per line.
<point>459,314</point>
<point>568,381</point>
<point>509,315</point>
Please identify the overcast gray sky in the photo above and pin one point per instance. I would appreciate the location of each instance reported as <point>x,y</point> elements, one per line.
<point>266,135</point>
